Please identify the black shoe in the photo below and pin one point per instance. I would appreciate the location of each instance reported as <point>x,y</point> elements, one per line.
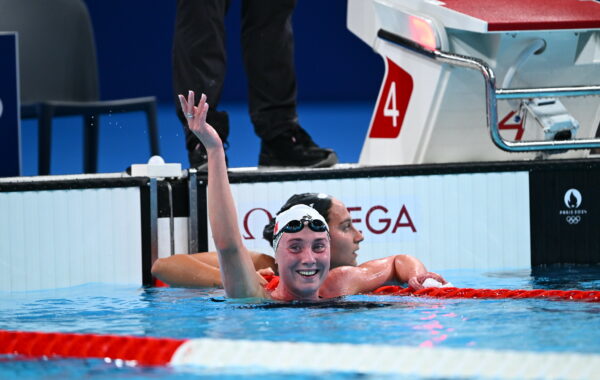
<point>295,148</point>
<point>199,158</point>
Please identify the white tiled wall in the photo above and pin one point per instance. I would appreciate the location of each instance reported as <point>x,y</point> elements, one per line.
<point>61,238</point>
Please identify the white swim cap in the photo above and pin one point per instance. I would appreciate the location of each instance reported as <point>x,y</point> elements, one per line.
<point>301,213</point>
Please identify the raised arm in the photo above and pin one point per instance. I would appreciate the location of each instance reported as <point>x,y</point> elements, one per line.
<point>237,271</point>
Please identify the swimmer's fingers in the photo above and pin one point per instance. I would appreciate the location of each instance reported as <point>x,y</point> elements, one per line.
<point>184,104</point>
<point>436,277</point>
<point>261,280</point>
<point>189,111</point>
<point>414,283</point>
<point>190,101</point>
<point>266,271</point>
<point>207,134</point>
<point>187,105</point>
<point>201,111</point>
<point>196,120</point>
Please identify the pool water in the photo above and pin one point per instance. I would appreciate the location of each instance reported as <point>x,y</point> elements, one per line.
<point>527,325</point>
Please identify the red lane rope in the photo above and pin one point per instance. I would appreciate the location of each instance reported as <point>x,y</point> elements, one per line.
<point>145,351</point>
<point>571,295</point>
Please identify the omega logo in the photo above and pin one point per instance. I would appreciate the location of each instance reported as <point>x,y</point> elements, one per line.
<point>378,220</point>
<point>248,235</point>
<point>380,226</point>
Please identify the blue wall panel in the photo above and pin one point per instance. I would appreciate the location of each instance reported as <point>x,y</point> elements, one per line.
<point>10,155</point>
<point>134,51</point>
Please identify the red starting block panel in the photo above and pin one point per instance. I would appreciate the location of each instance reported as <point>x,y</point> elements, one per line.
<point>519,15</point>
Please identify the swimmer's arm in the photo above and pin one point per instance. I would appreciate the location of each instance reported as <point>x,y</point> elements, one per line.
<point>347,280</point>
<point>188,271</point>
<point>408,267</point>
<point>237,270</point>
<point>412,271</point>
<point>375,273</point>
<point>199,270</point>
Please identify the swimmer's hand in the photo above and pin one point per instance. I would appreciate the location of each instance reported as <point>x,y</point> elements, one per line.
<point>266,272</point>
<point>196,119</point>
<point>261,273</point>
<point>417,282</point>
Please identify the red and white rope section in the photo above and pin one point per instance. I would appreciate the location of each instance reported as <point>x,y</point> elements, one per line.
<point>296,357</point>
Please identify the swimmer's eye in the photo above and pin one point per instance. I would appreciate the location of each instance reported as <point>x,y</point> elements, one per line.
<point>295,248</point>
<point>319,247</point>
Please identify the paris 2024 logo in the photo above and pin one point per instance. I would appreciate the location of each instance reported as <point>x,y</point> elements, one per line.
<point>573,213</point>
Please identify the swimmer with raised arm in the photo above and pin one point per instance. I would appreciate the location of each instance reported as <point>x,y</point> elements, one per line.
<point>301,240</point>
<point>302,253</point>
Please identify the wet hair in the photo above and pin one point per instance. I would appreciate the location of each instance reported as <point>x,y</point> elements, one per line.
<point>319,201</point>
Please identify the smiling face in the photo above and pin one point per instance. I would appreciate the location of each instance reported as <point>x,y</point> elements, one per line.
<point>303,261</point>
<point>345,238</point>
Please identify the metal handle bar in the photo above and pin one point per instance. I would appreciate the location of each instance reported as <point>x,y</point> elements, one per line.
<point>492,95</point>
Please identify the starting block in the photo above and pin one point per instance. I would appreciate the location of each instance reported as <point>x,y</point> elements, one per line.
<point>470,80</point>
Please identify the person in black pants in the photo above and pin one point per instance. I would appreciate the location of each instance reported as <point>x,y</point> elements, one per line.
<point>199,64</point>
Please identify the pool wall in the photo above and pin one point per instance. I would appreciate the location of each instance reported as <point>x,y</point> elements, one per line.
<point>62,231</point>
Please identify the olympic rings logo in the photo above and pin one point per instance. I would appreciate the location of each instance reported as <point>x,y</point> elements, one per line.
<point>573,219</point>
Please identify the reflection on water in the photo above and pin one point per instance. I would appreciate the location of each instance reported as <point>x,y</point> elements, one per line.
<point>580,277</point>
<point>561,277</point>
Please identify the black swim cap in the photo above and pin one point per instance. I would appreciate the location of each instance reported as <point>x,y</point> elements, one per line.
<point>319,201</point>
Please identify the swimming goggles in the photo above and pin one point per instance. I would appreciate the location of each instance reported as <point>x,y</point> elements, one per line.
<point>294,226</point>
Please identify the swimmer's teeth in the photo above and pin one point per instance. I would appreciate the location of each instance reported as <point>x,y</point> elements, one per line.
<point>307,272</point>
